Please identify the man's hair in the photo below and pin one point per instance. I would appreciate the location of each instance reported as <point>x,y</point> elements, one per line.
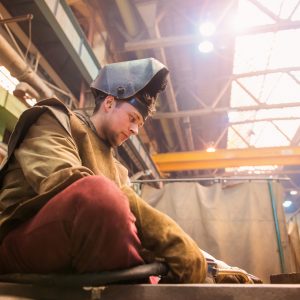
<point>149,101</point>
<point>98,100</point>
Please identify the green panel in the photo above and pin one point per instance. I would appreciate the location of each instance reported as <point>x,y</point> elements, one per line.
<point>7,119</point>
<point>3,96</point>
<point>2,129</point>
<point>10,111</point>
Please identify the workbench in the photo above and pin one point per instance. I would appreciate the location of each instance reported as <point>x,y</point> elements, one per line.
<point>10,291</point>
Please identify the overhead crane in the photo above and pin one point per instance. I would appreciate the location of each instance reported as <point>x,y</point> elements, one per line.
<point>227,158</point>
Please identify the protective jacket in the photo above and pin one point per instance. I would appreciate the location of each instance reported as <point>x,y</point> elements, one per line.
<point>50,149</point>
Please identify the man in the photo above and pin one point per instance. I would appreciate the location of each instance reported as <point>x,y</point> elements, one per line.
<point>65,202</point>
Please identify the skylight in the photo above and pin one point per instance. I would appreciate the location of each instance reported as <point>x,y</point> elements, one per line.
<point>266,71</point>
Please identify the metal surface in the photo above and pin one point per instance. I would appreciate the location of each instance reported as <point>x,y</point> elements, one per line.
<point>199,292</point>
<point>157,292</point>
<point>198,160</point>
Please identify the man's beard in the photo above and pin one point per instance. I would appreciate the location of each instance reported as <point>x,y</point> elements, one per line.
<point>110,137</point>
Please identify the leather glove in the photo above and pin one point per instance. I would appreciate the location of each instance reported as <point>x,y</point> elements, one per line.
<point>228,274</point>
<point>223,273</point>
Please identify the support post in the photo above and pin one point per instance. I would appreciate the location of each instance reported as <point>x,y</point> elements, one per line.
<point>277,229</point>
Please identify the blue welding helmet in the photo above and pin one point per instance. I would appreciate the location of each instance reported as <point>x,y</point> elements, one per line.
<point>124,80</point>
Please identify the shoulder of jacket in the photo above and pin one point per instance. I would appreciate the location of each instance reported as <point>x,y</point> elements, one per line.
<point>29,117</point>
<point>59,110</point>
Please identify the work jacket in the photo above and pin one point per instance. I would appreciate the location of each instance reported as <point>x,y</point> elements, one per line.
<point>50,149</point>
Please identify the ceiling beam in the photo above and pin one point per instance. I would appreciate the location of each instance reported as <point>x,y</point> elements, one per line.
<point>227,158</point>
<point>217,110</point>
<point>172,41</point>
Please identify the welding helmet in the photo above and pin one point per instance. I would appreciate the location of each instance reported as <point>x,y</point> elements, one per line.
<point>124,80</point>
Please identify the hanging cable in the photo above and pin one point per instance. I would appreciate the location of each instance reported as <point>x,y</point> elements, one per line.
<point>4,22</point>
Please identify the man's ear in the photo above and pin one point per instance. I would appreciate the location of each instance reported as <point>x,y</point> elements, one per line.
<point>108,102</point>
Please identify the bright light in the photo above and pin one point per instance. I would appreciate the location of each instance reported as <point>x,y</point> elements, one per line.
<point>7,81</point>
<point>211,149</point>
<point>287,203</point>
<point>31,102</point>
<point>206,47</point>
<point>207,28</point>
<point>249,15</point>
<point>253,169</point>
<point>233,115</point>
<point>293,192</point>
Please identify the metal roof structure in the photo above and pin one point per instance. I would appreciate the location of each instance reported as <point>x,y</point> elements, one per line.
<point>243,96</point>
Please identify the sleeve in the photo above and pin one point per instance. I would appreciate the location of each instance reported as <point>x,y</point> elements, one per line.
<point>48,155</point>
<point>161,235</point>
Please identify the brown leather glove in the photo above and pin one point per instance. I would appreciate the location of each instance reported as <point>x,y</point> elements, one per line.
<point>228,274</point>
<point>221,272</point>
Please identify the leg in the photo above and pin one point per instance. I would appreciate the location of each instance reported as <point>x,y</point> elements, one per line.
<point>88,227</point>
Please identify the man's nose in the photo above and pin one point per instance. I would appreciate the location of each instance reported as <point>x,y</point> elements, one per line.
<point>134,129</point>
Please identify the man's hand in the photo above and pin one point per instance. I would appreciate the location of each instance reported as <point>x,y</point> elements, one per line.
<point>221,272</point>
<point>228,274</point>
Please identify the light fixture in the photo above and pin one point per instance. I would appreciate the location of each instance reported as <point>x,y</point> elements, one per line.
<point>206,47</point>
<point>293,192</point>
<point>287,203</point>
<point>207,28</point>
<point>31,102</point>
<point>210,147</point>
<point>7,81</point>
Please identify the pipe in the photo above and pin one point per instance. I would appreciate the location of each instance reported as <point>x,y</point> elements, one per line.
<point>23,88</point>
<point>20,70</point>
<point>214,179</point>
<point>276,223</point>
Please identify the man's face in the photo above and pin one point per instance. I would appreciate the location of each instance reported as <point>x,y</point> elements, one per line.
<point>122,121</point>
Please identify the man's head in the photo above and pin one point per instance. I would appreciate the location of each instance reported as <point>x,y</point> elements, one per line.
<point>125,95</point>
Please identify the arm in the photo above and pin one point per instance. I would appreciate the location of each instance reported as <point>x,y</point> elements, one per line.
<point>188,263</point>
<point>48,156</point>
<point>161,235</point>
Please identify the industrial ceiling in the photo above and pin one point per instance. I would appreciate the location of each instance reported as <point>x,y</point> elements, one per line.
<point>193,112</point>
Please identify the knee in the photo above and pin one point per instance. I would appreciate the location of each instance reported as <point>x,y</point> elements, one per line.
<point>97,196</point>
